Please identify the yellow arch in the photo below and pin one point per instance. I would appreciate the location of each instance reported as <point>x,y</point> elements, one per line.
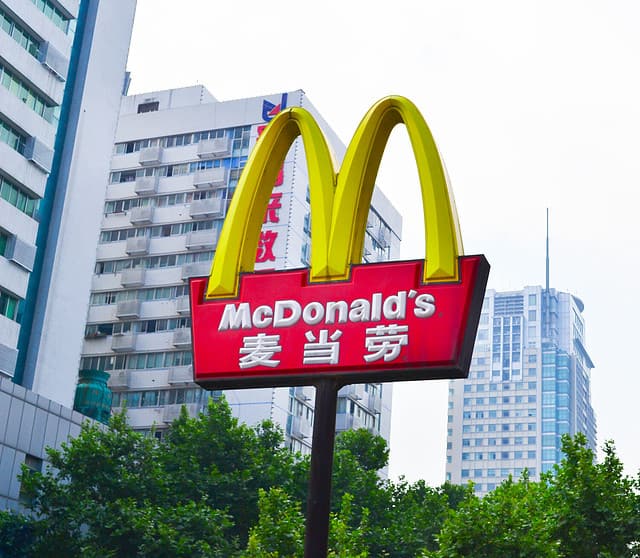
<point>238,242</point>
<point>356,182</point>
<point>339,202</point>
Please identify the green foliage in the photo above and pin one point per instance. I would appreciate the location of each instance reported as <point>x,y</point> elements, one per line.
<point>279,532</point>
<point>583,509</point>
<point>108,494</point>
<point>16,534</point>
<point>345,542</point>
<point>369,451</point>
<point>215,458</point>
<point>217,488</point>
<point>511,521</point>
<point>595,507</point>
<point>413,516</point>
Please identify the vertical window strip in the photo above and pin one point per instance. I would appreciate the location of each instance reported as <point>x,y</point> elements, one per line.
<point>28,95</point>
<point>20,35</point>
<point>16,197</point>
<point>13,138</point>
<point>4,238</point>
<point>60,20</point>
<point>9,305</point>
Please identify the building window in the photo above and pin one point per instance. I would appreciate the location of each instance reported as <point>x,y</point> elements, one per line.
<point>4,238</point>
<point>151,106</point>
<point>20,89</point>
<point>13,138</point>
<point>60,20</point>
<point>33,465</point>
<point>25,39</point>
<point>9,305</point>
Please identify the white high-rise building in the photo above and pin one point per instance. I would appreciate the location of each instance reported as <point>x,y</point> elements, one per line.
<point>62,71</point>
<point>177,158</point>
<point>529,384</point>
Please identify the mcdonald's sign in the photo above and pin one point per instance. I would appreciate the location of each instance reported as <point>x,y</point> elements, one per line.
<point>360,323</point>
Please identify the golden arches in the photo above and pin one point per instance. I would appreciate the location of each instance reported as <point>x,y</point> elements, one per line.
<point>339,202</point>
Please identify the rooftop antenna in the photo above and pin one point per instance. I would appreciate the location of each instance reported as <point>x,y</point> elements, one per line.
<point>547,262</point>
<point>545,301</point>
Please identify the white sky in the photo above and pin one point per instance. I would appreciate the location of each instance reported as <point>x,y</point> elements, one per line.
<point>532,104</point>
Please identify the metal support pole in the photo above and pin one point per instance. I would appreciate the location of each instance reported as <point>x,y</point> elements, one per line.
<point>319,498</point>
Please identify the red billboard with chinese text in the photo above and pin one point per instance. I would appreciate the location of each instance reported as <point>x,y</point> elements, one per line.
<point>381,324</point>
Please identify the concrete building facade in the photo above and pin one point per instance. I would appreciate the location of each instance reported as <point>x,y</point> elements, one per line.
<point>62,69</point>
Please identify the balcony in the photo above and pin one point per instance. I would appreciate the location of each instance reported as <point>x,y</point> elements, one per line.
<point>211,207</point>
<point>182,305</point>
<point>137,245</point>
<point>123,343</point>
<point>216,148</point>
<point>375,403</point>
<point>54,60</point>
<point>20,252</point>
<point>133,277</point>
<point>209,178</point>
<point>345,421</point>
<point>119,379</point>
<point>300,393</point>
<point>128,309</point>
<point>172,412</point>
<point>353,391</point>
<point>182,337</point>
<point>146,185</point>
<point>181,375</point>
<point>201,239</point>
<point>300,428</point>
<point>150,155</point>
<point>141,215</point>
<point>195,270</point>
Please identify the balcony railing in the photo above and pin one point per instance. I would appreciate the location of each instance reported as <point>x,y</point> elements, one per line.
<point>216,148</point>
<point>207,178</point>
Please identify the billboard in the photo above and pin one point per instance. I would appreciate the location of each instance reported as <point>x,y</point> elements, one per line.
<point>339,318</point>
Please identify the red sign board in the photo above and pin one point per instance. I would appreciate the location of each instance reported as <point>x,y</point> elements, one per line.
<point>382,324</point>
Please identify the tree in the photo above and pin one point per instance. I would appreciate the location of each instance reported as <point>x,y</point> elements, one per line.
<point>510,521</point>
<point>581,508</point>
<point>596,508</point>
<point>216,458</point>
<point>106,493</point>
<point>16,535</point>
<point>414,515</point>
<point>280,530</point>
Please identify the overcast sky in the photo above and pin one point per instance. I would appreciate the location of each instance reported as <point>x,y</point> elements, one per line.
<point>532,105</point>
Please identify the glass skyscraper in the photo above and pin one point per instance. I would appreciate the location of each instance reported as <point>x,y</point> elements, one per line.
<point>529,384</point>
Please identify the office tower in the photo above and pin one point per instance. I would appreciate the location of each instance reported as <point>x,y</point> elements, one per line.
<point>529,384</point>
<point>177,158</point>
<point>62,69</point>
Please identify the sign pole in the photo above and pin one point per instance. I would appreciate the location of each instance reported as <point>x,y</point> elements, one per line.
<point>319,497</point>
